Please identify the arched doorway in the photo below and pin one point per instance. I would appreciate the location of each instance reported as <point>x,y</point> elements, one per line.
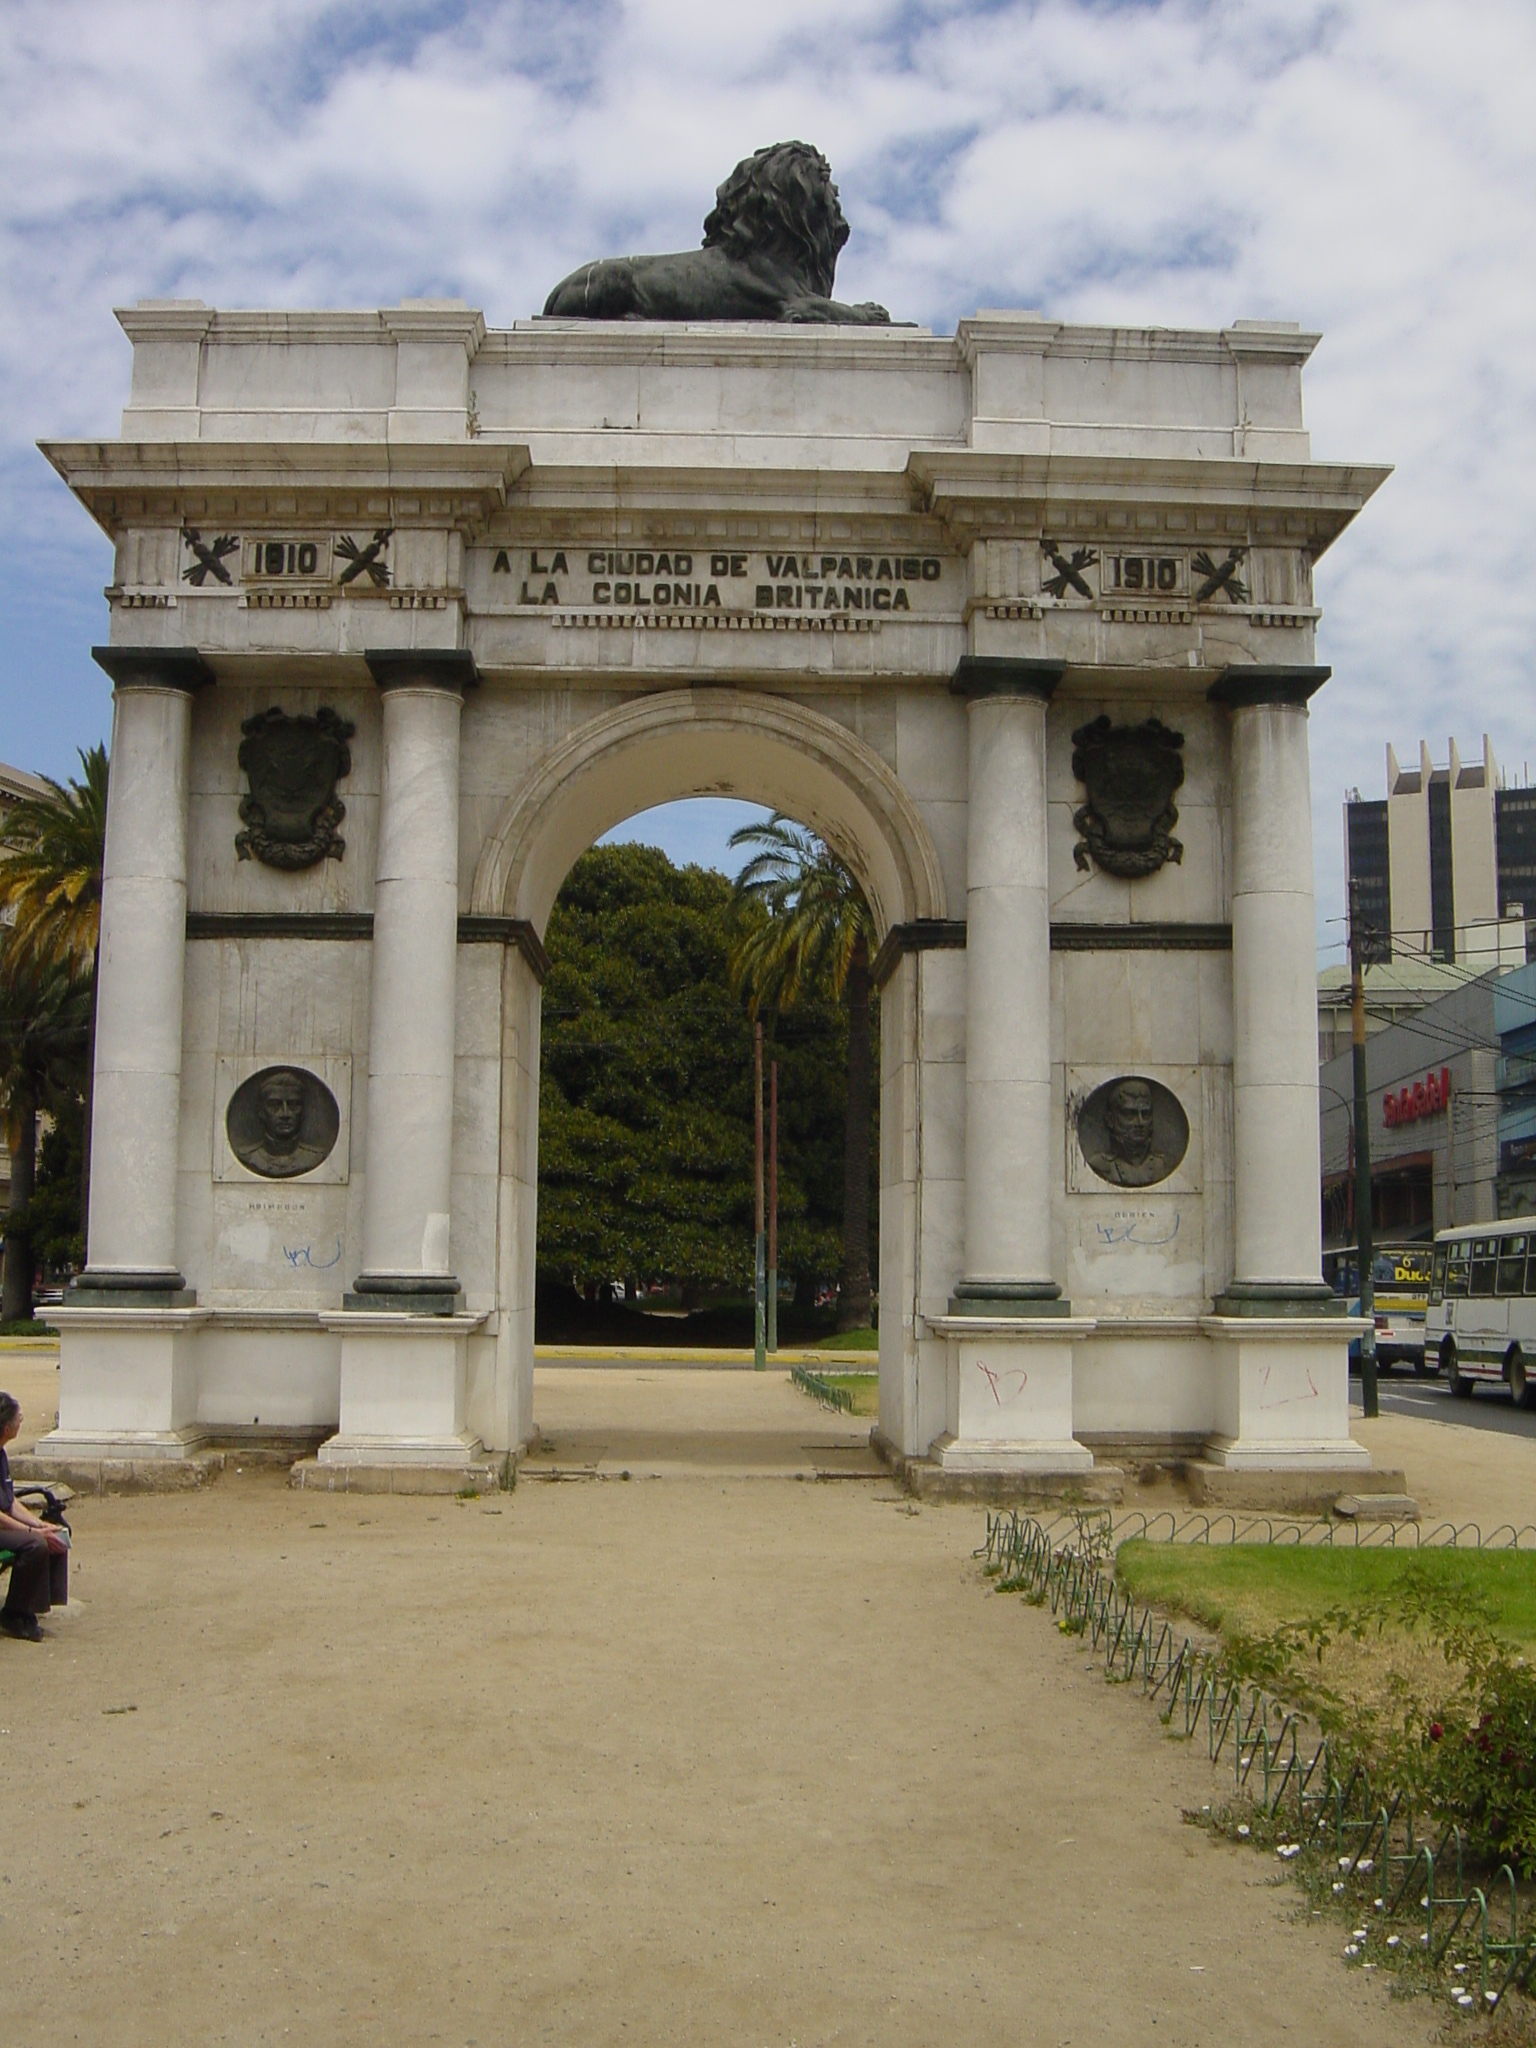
<point>654,749</point>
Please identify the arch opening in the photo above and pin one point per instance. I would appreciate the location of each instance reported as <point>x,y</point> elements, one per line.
<point>767,750</point>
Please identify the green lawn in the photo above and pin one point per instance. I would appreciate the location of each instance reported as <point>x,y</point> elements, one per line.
<point>850,1340</point>
<point>1250,1587</point>
<point>862,1388</point>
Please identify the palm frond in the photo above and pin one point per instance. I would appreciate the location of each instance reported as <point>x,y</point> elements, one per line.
<point>816,914</point>
<point>51,850</point>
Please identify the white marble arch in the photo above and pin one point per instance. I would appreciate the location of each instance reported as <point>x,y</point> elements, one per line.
<point>658,748</point>
<point>712,741</point>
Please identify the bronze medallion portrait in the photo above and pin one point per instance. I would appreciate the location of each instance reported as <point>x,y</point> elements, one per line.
<point>282,1122</point>
<point>293,765</point>
<point>1133,1132</point>
<point>1131,773</point>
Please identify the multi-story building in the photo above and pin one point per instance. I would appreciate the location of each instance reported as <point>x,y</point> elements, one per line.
<point>1436,1118</point>
<point>1444,868</point>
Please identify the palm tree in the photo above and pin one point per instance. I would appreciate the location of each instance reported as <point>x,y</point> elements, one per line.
<point>51,851</point>
<point>44,1023</point>
<point>818,924</point>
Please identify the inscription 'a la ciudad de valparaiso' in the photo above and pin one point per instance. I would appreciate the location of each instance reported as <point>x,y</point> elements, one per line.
<point>727,580</point>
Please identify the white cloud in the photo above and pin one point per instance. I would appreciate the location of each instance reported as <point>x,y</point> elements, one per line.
<point>1367,167</point>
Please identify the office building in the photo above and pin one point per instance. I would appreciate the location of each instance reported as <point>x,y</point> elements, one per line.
<point>1444,868</point>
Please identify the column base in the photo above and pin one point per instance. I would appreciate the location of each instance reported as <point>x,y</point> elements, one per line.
<point>117,1287</point>
<point>402,1389</point>
<point>127,1381</point>
<point>1009,1399</point>
<point>1002,1298</point>
<point>1282,1394</point>
<point>1278,1298</point>
<point>404,1294</point>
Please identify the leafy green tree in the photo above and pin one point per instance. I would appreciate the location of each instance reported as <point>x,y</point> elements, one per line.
<point>645,1104</point>
<point>816,930</point>
<point>54,1224</point>
<point>51,854</point>
<point>44,1021</point>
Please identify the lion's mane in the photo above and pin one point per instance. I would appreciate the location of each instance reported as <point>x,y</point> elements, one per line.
<point>782,202</point>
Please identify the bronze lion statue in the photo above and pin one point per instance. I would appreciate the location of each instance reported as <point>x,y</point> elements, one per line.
<point>770,252</point>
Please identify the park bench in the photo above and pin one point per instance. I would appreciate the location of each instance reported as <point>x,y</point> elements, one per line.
<point>43,1501</point>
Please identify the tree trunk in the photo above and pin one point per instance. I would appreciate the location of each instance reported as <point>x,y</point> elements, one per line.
<point>21,1137</point>
<point>85,1128</point>
<point>853,1281</point>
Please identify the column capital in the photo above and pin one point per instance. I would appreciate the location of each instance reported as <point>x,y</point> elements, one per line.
<point>154,668</point>
<point>422,668</point>
<point>1245,685</point>
<point>995,675</point>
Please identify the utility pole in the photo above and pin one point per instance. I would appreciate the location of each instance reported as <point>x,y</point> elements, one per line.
<point>760,1332</point>
<point>1364,1249</point>
<point>773,1206</point>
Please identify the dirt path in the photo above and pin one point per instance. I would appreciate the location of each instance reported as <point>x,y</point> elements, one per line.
<point>736,1760</point>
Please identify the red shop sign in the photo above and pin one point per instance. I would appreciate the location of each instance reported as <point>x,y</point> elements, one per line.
<point>1429,1097</point>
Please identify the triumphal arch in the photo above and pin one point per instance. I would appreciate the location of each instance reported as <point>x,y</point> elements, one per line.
<point>407,611</point>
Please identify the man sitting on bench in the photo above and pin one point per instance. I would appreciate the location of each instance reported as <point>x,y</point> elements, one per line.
<point>40,1572</point>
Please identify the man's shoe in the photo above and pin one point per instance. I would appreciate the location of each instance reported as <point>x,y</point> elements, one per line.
<point>23,1626</point>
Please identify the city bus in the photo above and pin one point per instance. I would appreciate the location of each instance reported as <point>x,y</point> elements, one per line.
<point>1481,1321</point>
<point>1400,1276</point>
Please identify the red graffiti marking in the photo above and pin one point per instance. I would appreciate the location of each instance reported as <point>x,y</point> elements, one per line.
<point>995,1380</point>
<point>1287,1400</point>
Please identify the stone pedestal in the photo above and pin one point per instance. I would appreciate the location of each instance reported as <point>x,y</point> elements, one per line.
<point>1282,1394</point>
<point>1010,1395</point>
<point>127,1384</point>
<point>402,1390</point>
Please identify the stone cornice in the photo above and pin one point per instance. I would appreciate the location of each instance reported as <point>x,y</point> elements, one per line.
<point>410,483</point>
<point>716,343</point>
<point>981,494</point>
<point>1026,333</point>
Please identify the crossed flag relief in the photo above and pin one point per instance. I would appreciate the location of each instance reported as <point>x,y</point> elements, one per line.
<point>209,557</point>
<point>366,561</point>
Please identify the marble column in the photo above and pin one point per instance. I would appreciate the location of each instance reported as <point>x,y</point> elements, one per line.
<point>1277,1263</point>
<point>411,1009</point>
<point>1008,1149</point>
<point>136,1099</point>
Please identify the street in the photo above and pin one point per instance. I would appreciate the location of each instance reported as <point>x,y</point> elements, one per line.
<point>1489,1408</point>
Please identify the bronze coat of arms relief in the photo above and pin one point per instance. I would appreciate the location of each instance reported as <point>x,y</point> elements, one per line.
<point>292,810</point>
<point>1131,774</point>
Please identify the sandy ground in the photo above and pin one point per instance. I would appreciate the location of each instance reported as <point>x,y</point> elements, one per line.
<point>720,1759</point>
<point>1490,1482</point>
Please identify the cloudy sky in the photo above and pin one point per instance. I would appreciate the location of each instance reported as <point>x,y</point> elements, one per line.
<point>1367,167</point>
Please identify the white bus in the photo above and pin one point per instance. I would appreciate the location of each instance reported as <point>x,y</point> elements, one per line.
<point>1481,1320</point>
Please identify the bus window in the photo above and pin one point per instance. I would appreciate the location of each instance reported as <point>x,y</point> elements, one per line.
<point>1511,1278</point>
<point>1484,1264</point>
<point>1530,1268</point>
<point>1456,1267</point>
<point>1437,1278</point>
